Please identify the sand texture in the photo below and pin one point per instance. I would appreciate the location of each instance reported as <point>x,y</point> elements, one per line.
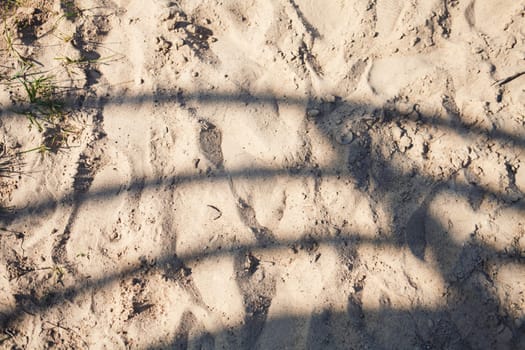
<point>277,174</point>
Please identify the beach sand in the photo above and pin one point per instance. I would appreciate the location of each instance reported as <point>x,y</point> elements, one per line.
<point>281,174</point>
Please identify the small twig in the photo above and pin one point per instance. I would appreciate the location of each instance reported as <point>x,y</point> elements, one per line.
<point>508,79</point>
<point>59,326</point>
<point>218,211</point>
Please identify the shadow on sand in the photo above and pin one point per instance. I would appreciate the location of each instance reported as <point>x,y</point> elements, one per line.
<point>472,317</point>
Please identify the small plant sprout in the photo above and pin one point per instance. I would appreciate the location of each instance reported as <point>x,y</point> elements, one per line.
<point>71,11</point>
<point>10,44</point>
<point>7,161</point>
<point>46,112</point>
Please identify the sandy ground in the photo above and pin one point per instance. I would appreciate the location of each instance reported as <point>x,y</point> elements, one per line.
<point>280,174</point>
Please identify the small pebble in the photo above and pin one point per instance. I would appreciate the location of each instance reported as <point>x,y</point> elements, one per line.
<point>312,113</point>
<point>329,99</point>
<point>345,138</point>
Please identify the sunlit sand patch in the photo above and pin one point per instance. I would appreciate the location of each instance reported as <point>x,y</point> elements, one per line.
<point>401,281</point>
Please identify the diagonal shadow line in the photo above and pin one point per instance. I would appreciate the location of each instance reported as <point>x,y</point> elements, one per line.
<point>244,98</point>
<point>245,174</point>
<point>57,296</point>
<point>60,294</point>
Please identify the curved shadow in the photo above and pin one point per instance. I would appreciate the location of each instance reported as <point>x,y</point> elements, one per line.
<point>389,115</point>
<point>469,300</point>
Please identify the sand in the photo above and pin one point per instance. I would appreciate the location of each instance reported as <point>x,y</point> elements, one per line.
<point>264,175</point>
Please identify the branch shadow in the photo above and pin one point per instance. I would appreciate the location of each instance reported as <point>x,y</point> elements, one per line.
<point>471,302</point>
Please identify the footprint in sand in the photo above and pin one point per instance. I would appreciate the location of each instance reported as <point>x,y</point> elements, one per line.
<point>210,140</point>
<point>102,202</point>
